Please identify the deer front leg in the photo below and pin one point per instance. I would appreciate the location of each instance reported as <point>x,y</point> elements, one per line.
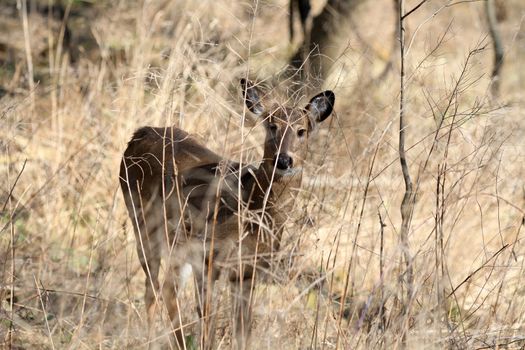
<point>206,273</point>
<point>243,285</point>
<point>205,281</point>
<point>150,264</point>
<point>186,254</point>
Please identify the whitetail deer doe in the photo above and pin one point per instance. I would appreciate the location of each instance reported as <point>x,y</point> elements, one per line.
<point>191,206</point>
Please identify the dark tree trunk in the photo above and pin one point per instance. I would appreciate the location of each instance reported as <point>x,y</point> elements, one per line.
<point>311,57</point>
<point>490,9</point>
<point>304,11</point>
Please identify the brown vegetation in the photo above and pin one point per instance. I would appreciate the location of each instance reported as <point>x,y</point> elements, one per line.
<point>78,78</point>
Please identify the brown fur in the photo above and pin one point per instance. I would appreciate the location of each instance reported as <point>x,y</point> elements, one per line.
<point>185,204</point>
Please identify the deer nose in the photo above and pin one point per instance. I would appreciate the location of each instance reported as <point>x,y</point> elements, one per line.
<point>284,161</point>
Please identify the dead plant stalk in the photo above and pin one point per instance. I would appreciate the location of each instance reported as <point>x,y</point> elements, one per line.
<point>407,205</point>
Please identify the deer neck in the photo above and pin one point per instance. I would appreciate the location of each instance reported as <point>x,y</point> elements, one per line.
<point>270,190</point>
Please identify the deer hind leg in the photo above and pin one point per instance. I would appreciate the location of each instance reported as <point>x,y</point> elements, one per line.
<point>170,291</point>
<point>147,246</point>
<point>149,249</point>
<point>150,264</point>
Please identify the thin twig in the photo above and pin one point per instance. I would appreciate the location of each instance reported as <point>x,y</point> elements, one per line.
<point>477,270</point>
<point>41,298</point>
<point>413,10</point>
<point>14,185</point>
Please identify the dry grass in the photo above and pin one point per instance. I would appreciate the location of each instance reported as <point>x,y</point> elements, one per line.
<point>69,275</point>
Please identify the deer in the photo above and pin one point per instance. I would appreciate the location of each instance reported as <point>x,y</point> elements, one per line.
<point>187,204</point>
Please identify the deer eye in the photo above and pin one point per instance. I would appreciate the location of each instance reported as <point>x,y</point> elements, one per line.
<point>301,132</point>
<point>272,127</point>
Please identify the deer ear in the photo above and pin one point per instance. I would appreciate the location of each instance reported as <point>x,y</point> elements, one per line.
<point>320,106</point>
<point>252,97</point>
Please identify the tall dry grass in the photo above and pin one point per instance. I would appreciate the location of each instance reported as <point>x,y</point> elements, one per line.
<point>69,275</point>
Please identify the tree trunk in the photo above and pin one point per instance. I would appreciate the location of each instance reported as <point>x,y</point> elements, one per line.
<point>490,9</point>
<point>311,58</point>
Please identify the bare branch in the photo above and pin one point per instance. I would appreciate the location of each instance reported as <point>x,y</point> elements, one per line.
<point>407,205</point>
<point>413,10</point>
